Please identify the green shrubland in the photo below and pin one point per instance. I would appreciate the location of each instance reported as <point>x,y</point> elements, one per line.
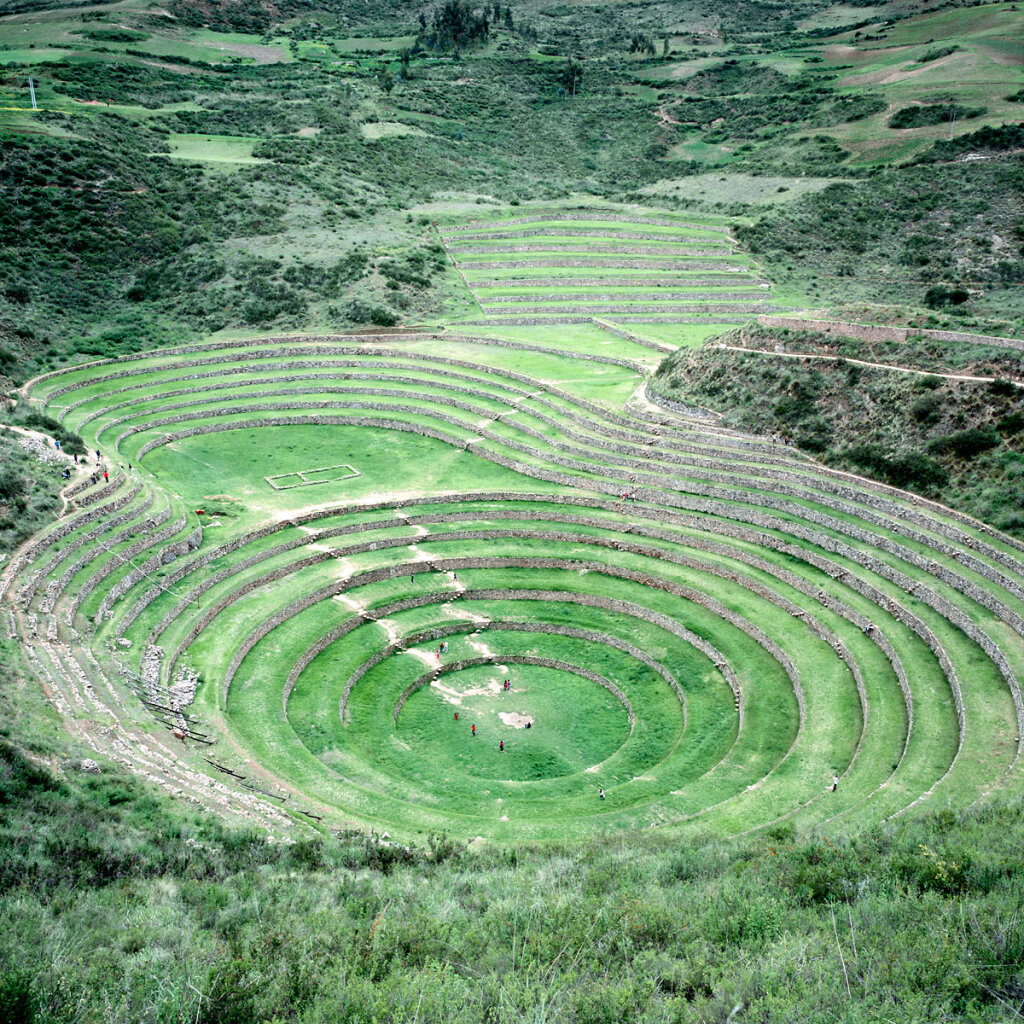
<point>955,440</point>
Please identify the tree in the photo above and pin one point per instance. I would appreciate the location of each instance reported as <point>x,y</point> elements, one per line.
<point>508,19</point>
<point>405,58</point>
<point>385,79</point>
<point>639,43</point>
<point>572,76</point>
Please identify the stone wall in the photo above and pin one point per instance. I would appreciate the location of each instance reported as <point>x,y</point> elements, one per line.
<point>130,579</point>
<point>604,262</point>
<point>652,283</point>
<point>67,526</point>
<point>104,526</point>
<point>119,558</point>
<point>580,215</point>
<point>674,250</point>
<point>579,307</point>
<point>666,295</point>
<point>642,236</point>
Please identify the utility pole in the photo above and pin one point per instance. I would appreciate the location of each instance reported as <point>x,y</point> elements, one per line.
<point>32,93</point>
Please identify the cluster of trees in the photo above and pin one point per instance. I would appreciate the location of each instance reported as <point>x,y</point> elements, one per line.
<point>454,26</point>
<point>639,43</point>
<point>571,77</point>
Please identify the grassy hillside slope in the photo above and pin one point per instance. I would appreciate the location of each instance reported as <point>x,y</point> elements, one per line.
<point>948,437</point>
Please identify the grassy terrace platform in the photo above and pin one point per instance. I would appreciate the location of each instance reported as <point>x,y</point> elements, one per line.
<point>704,625</point>
<point>571,265</point>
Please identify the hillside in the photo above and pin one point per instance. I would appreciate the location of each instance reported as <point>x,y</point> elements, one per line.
<point>181,178</point>
<point>943,421</point>
<point>511,512</point>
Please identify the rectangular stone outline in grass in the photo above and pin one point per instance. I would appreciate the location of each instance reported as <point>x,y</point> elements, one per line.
<point>303,475</point>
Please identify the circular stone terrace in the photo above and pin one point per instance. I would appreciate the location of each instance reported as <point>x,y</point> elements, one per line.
<point>704,625</point>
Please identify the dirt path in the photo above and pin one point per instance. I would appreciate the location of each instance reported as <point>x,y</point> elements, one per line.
<point>41,445</point>
<point>666,118</point>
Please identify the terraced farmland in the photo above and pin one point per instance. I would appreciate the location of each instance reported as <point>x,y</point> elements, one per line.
<point>575,265</point>
<point>705,626</point>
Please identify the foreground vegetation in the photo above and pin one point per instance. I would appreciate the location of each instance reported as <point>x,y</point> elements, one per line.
<point>115,908</point>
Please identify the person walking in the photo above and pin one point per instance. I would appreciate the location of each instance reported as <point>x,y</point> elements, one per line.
<point>501,746</point>
<point>456,716</point>
<point>106,477</point>
<point>474,730</point>
<point>835,782</point>
<point>600,794</point>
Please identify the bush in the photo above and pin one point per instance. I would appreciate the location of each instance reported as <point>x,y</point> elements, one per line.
<point>939,295</point>
<point>911,469</point>
<point>11,485</point>
<point>16,1003</point>
<point>366,313</point>
<point>1004,388</point>
<point>966,444</point>
<point>932,113</point>
<point>928,408</point>
<point>1011,423</point>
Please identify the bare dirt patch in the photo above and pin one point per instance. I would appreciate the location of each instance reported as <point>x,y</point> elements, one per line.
<point>514,719</point>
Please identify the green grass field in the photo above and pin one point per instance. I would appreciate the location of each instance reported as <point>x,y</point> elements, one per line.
<point>213,149</point>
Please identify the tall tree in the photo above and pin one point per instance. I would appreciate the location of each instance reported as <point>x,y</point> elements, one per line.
<point>572,76</point>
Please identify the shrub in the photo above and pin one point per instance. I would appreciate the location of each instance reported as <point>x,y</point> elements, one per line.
<point>11,484</point>
<point>16,1003</point>
<point>367,313</point>
<point>966,444</point>
<point>1003,388</point>
<point>932,113</point>
<point>928,408</point>
<point>1011,423</point>
<point>911,469</point>
<point>939,295</point>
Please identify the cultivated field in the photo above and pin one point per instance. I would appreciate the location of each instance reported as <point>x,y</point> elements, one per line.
<point>571,266</point>
<point>704,626</point>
